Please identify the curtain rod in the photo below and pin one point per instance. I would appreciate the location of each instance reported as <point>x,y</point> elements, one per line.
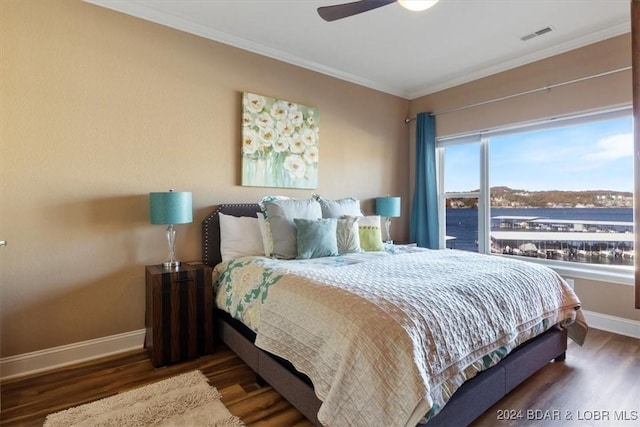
<point>527,92</point>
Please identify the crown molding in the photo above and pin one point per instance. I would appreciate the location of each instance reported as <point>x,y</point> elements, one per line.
<point>598,36</point>
<point>141,11</point>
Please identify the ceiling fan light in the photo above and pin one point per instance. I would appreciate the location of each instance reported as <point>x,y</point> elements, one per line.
<point>417,5</point>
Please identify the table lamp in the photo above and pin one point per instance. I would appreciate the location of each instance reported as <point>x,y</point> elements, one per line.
<point>170,207</point>
<point>388,207</point>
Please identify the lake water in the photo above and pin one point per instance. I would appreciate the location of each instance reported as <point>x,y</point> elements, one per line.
<point>463,223</point>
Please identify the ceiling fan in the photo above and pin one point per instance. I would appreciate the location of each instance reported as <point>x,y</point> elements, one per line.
<point>339,11</point>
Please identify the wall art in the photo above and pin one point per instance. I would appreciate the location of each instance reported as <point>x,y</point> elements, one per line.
<point>279,143</point>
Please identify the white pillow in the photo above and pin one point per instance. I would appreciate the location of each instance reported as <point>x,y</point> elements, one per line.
<point>348,235</point>
<point>265,234</point>
<point>239,236</point>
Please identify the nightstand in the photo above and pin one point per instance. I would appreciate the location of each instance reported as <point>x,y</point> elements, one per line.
<point>179,313</point>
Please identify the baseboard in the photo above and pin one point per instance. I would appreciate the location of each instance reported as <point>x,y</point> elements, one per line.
<point>42,360</point>
<point>38,361</point>
<point>617,325</point>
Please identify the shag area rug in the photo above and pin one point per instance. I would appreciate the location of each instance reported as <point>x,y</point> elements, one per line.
<point>183,400</point>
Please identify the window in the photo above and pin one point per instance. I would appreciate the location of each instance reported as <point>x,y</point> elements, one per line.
<point>558,192</point>
<point>461,192</point>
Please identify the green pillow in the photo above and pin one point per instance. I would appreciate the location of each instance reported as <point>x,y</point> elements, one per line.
<point>370,233</point>
<point>316,238</point>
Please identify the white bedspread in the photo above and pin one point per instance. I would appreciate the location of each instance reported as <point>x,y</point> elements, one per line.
<point>386,342</point>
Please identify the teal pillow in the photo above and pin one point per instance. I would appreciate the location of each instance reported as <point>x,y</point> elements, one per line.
<point>316,238</point>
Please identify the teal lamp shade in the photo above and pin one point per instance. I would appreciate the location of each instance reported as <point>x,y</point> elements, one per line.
<point>170,207</point>
<point>388,207</point>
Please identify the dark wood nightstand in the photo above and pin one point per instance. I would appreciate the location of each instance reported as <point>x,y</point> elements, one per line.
<point>179,313</point>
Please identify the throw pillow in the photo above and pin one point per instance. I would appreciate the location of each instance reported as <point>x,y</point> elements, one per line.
<point>266,199</point>
<point>280,215</point>
<point>316,237</point>
<point>370,233</point>
<point>348,235</point>
<point>265,234</point>
<point>339,208</point>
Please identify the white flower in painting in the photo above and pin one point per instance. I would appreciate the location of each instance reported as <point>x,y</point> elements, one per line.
<point>295,166</point>
<point>311,155</point>
<point>282,144</point>
<point>285,127</point>
<point>311,120</point>
<point>297,144</point>
<point>264,120</point>
<point>250,142</point>
<point>279,110</point>
<point>247,119</point>
<point>254,102</point>
<point>296,118</point>
<point>268,135</point>
<point>309,136</point>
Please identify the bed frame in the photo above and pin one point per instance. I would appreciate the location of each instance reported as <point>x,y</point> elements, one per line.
<point>470,401</point>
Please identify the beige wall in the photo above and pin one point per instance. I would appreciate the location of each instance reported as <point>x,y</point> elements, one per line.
<point>97,110</point>
<point>595,94</point>
<point>607,298</point>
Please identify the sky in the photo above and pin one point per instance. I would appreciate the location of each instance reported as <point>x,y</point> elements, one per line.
<point>591,156</point>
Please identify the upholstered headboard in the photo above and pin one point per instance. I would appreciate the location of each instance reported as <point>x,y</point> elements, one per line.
<point>211,229</point>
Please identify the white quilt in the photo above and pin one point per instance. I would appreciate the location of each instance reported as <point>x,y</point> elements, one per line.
<point>386,342</point>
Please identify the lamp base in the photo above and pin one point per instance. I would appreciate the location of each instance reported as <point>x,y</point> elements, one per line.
<point>171,264</point>
<point>387,225</point>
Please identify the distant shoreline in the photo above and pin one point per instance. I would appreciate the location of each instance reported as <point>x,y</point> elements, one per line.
<point>505,197</point>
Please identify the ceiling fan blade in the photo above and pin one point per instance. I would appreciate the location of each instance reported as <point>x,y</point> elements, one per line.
<point>338,11</point>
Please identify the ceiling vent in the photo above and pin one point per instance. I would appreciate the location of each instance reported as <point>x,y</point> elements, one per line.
<point>540,32</point>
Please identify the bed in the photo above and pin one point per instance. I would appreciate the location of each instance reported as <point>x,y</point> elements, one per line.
<point>459,400</point>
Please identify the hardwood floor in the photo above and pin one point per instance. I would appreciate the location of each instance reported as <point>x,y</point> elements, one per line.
<point>600,376</point>
<point>27,401</point>
<point>597,381</point>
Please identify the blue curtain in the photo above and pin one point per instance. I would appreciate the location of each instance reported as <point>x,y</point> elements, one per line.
<point>424,214</point>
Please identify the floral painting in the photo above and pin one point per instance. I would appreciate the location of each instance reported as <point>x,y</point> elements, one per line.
<point>279,143</point>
